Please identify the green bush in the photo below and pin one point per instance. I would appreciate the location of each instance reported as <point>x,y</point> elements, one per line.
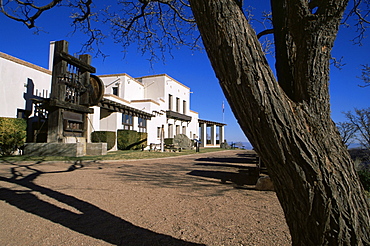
<point>365,179</point>
<point>12,134</point>
<point>168,141</point>
<point>143,137</point>
<point>129,139</point>
<point>104,137</point>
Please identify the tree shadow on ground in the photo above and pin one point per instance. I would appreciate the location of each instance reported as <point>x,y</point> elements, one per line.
<point>209,177</point>
<point>238,178</point>
<point>90,220</point>
<point>222,165</point>
<point>244,158</point>
<point>248,155</point>
<point>245,164</point>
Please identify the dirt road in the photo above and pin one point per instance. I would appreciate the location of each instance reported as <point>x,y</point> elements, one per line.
<point>187,200</point>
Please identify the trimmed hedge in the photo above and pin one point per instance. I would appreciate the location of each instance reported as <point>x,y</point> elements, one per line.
<point>168,141</point>
<point>12,134</point>
<point>129,139</point>
<point>104,137</point>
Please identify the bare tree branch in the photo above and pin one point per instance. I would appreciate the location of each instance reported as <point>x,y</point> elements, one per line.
<point>85,9</point>
<point>338,63</point>
<point>26,8</point>
<point>265,32</point>
<point>365,75</point>
<point>360,11</point>
<point>154,25</point>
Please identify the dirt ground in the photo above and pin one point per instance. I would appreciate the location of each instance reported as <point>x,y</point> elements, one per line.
<point>188,200</point>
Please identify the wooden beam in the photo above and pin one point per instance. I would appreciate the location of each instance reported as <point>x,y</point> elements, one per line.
<point>77,62</point>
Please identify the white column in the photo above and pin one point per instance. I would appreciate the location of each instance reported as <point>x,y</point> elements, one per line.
<point>221,134</point>
<point>213,135</point>
<point>115,127</point>
<point>203,135</point>
<point>93,122</point>
<point>135,123</point>
<point>95,119</point>
<point>118,122</point>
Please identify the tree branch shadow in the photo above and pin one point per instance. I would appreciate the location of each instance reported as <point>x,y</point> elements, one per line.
<point>242,159</point>
<point>91,220</point>
<point>238,178</point>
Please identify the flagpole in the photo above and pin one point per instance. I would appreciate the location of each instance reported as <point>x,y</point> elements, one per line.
<point>223,112</point>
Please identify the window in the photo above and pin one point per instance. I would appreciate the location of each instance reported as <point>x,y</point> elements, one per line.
<point>184,130</point>
<point>115,91</point>
<point>177,129</point>
<point>142,124</point>
<point>127,121</point>
<point>158,132</point>
<point>177,104</point>
<point>184,107</point>
<point>169,102</point>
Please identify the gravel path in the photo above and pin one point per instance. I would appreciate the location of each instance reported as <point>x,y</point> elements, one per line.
<point>187,200</point>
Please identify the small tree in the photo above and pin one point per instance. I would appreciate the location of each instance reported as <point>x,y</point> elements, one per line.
<point>12,134</point>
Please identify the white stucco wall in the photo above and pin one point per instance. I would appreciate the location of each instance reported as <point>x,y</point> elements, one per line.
<point>133,90</point>
<point>193,125</point>
<point>154,87</point>
<point>161,86</point>
<point>128,87</point>
<point>18,80</point>
<point>179,91</point>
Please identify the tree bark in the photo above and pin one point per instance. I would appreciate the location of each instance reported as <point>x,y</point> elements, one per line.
<point>288,122</point>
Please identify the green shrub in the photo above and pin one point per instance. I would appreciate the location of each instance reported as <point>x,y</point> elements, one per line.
<point>365,179</point>
<point>143,137</point>
<point>168,141</point>
<point>12,134</point>
<point>129,139</point>
<point>104,137</point>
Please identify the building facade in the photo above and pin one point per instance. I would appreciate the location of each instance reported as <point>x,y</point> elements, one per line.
<point>157,104</point>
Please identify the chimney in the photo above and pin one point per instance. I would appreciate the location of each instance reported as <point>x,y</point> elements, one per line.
<point>51,55</point>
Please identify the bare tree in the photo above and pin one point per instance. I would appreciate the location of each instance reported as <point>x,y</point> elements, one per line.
<point>287,119</point>
<point>360,121</point>
<point>347,131</point>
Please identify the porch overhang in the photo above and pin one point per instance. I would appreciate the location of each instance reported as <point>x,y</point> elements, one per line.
<point>113,106</point>
<point>208,122</point>
<point>177,116</point>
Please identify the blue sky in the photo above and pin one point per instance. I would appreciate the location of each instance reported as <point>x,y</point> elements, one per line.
<point>191,68</point>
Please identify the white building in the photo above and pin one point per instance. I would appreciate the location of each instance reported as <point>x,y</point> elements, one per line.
<point>20,81</point>
<point>145,104</point>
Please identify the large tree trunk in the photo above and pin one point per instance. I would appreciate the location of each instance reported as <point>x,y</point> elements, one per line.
<point>288,122</point>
